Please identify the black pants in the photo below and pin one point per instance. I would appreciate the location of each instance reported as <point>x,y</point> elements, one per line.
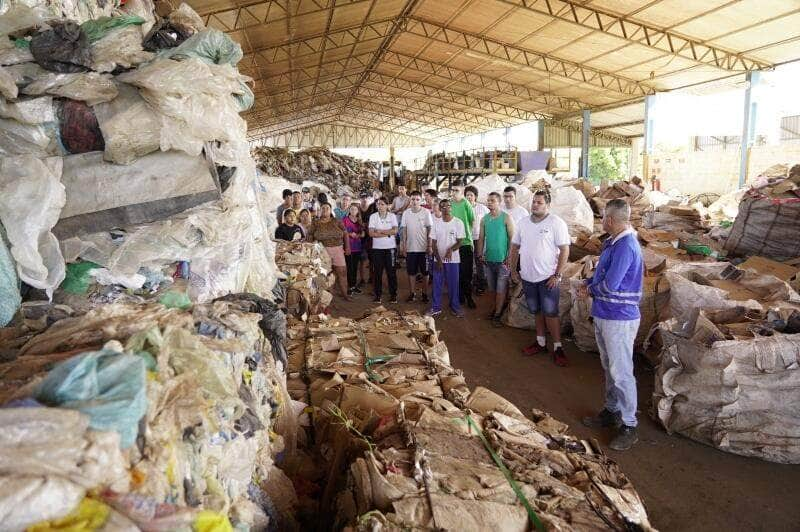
<point>353,261</point>
<point>384,259</point>
<point>480,273</point>
<point>465,272</point>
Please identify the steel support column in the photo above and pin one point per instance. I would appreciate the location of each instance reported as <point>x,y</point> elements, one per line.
<point>649,122</point>
<point>748,125</point>
<point>586,131</point>
<point>540,135</point>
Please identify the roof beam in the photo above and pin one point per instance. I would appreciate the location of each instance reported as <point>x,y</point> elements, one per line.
<point>318,100</point>
<point>290,119</point>
<point>433,109</point>
<point>450,96</point>
<point>333,134</point>
<point>526,58</point>
<point>485,82</point>
<point>673,43</point>
<point>258,13</point>
<point>621,124</point>
<point>378,116</point>
<point>595,132</point>
<point>400,111</point>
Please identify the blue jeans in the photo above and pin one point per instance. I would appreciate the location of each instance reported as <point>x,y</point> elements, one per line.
<point>496,275</point>
<point>615,343</point>
<point>449,274</point>
<point>539,298</point>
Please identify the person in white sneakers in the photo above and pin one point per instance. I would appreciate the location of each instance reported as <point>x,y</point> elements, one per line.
<point>446,237</point>
<point>542,241</point>
<point>382,229</point>
<point>415,243</point>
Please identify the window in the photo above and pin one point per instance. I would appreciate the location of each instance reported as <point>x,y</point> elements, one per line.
<point>790,127</point>
<point>563,159</point>
<point>723,142</point>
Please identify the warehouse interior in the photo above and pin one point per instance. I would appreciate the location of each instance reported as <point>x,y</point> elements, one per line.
<point>179,353</point>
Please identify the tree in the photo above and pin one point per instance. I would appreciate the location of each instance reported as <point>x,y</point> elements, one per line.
<point>608,163</point>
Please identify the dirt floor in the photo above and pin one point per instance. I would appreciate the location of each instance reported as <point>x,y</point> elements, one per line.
<point>685,485</point>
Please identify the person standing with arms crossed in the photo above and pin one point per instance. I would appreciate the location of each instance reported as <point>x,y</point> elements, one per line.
<point>416,229</point>
<point>542,241</point>
<point>382,229</point>
<point>461,209</point>
<point>496,234</point>
<point>616,289</point>
<point>447,236</point>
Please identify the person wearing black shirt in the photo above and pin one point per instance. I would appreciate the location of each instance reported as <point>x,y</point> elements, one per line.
<point>289,230</point>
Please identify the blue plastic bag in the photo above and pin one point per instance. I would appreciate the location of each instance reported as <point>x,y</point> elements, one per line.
<point>10,299</point>
<point>107,386</point>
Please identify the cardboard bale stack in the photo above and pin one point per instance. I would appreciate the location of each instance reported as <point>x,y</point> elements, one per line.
<point>309,276</point>
<point>632,194</point>
<point>403,443</point>
<point>333,170</point>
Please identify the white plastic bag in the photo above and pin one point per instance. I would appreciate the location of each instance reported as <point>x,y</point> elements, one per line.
<point>89,87</point>
<point>32,111</point>
<point>130,127</point>
<point>571,205</point>
<point>120,47</point>
<point>8,88</point>
<point>31,199</point>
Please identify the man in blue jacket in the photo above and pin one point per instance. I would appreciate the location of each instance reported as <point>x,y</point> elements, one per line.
<point>616,289</point>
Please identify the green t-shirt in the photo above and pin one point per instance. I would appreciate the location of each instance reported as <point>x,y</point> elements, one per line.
<point>495,237</point>
<point>463,211</point>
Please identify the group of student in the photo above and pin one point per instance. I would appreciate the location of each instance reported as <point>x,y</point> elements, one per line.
<point>462,244</point>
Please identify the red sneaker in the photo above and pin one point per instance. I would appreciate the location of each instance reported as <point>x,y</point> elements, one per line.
<point>533,349</point>
<point>560,358</point>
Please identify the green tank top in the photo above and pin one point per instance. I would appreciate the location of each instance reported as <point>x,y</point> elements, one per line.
<point>495,237</point>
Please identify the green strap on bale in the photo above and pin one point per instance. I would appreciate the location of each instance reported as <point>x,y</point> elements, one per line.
<point>514,486</point>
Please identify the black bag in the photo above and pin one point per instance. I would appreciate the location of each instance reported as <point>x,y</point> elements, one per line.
<point>63,48</point>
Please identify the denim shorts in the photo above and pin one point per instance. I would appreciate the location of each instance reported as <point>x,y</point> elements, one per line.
<point>540,298</point>
<point>497,275</point>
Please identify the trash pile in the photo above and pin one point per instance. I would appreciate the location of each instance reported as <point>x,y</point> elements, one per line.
<point>144,112</point>
<point>402,443</point>
<point>331,169</point>
<point>309,276</point>
<point>145,417</point>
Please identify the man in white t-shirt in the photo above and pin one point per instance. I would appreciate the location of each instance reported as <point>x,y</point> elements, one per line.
<point>446,238</point>
<point>480,210</point>
<point>510,206</point>
<point>382,229</point>
<point>542,241</point>
<point>415,243</point>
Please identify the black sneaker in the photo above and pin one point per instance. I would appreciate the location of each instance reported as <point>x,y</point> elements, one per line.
<point>496,322</point>
<point>376,299</point>
<point>604,419</point>
<point>471,302</point>
<point>492,316</point>
<point>356,290</point>
<point>624,439</point>
<point>393,299</point>
<point>411,298</point>
<point>424,297</point>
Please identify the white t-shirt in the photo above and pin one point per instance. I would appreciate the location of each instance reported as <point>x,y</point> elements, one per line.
<point>538,246</point>
<point>415,225</point>
<point>517,213</point>
<point>384,224</point>
<point>399,202</point>
<point>446,235</point>
<point>480,211</point>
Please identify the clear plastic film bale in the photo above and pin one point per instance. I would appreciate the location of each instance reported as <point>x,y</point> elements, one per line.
<point>31,199</point>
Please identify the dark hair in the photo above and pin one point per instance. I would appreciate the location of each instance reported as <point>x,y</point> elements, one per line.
<point>299,214</point>
<point>473,189</point>
<point>495,194</point>
<point>287,192</point>
<point>322,198</point>
<point>442,202</point>
<point>543,192</point>
<point>360,220</point>
<point>432,192</point>
<point>381,200</point>
<point>297,192</point>
<point>323,203</point>
<point>415,193</point>
<point>285,212</point>
<point>511,189</point>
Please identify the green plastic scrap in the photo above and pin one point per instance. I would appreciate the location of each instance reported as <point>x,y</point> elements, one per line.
<point>22,44</point>
<point>209,45</point>
<point>99,28</point>
<point>514,486</point>
<point>78,279</point>
<point>179,300</point>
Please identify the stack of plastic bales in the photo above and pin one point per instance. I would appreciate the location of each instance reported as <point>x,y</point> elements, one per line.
<point>166,416</point>
<point>403,443</point>
<point>122,146</point>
